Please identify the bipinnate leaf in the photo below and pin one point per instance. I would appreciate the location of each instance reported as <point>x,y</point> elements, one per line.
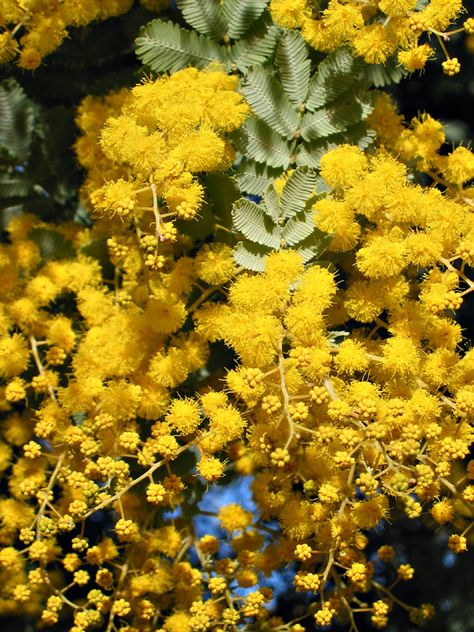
<point>271,203</point>
<point>251,256</point>
<point>298,188</point>
<point>256,48</point>
<point>297,229</point>
<point>258,141</point>
<point>294,66</point>
<point>269,101</point>
<point>204,16</point>
<point>314,245</point>
<point>250,219</point>
<point>165,46</point>
<point>17,121</point>
<point>254,177</point>
<point>52,244</point>
<point>239,15</point>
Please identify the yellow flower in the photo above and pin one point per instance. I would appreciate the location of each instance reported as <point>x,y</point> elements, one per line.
<point>233,517</point>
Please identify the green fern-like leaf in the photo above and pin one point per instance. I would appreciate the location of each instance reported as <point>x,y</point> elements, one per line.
<point>279,222</point>
<point>298,188</point>
<point>14,185</point>
<point>340,62</point>
<point>239,15</point>
<point>222,191</point>
<point>297,229</point>
<point>319,124</point>
<point>253,177</point>
<point>310,154</point>
<point>164,46</point>
<point>381,75</point>
<point>256,48</point>
<point>269,102</point>
<point>345,112</point>
<point>294,66</point>
<point>357,134</point>
<point>52,245</point>
<point>251,256</point>
<point>271,203</point>
<point>17,121</point>
<point>337,74</point>
<point>260,142</point>
<point>251,221</point>
<point>314,245</point>
<point>204,16</point>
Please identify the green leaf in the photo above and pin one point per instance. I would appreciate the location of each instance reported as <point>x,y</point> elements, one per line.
<point>298,188</point>
<point>294,66</point>
<point>14,185</point>
<point>257,48</point>
<point>253,177</point>
<point>272,203</point>
<point>250,219</point>
<point>257,140</point>
<point>7,213</point>
<point>337,74</point>
<point>323,91</point>
<point>203,16</point>
<point>16,122</point>
<point>250,256</point>
<point>200,227</point>
<point>52,244</point>
<point>357,134</point>
<point>298,229</point>
<point>164,46</point>
<point>341,61</point>
<point>223,192</point>
<point>310,154</point>
<point>319,124</point>
<point>381,75</point>
<point>314,245</point>
<point>269,102</point>
<point>347,111</point>
<point>239,15</point>
<point>97,249</point>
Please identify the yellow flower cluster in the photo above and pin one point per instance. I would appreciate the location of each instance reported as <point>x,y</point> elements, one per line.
<point>144,147</point>
<point>422,143</point>
<point>86,400</point>
<point>342,432</point>
<point>375,30</point>
<point>88,367</point>
<point>337,429</point>
<point>346,390</point>
<point>32,29</point>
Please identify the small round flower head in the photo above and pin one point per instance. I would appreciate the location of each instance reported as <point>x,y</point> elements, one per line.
<point>210,468</point>
<point>443,511</point>
<point>415,58</point>
<point>215,264</point>
<point>343,166</point>
<point>115,197</point>
<point>184,416</point>
<point>233,517</point>
<point>457,543</point>
<point>451,67</point>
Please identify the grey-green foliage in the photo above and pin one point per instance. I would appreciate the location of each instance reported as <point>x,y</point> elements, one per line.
<point>381,75</point>
<point>17,121</point>
<point>278,222</point>
<point>236,33</point>
<point>38,171</point>
<point>298,117</point>
<point>52,244</point>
